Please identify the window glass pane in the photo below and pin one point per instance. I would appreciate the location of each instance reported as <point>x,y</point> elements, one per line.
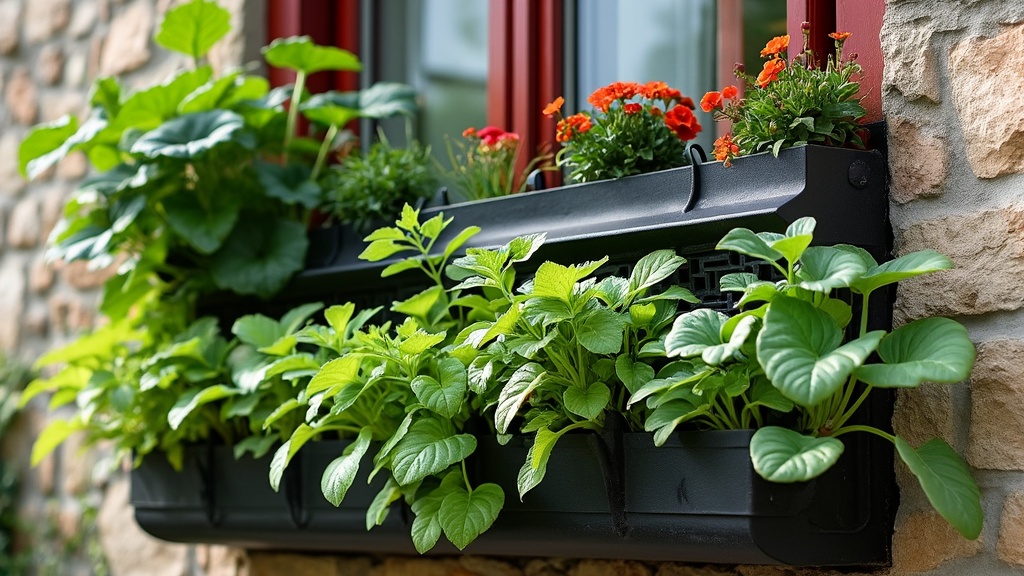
<point>669,40</point>
<point>439,47</point>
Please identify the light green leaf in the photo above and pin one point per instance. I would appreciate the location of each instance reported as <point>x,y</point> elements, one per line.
<point>672,293</point>
<point>521,248</point>
<point>381,503</point>
<point>296,317</point>
<point>587,403</point>
<point>744,241</point>
<point>601,331</point>
<point>148,109</point>
<point>721,353</point>
<point>342,371</point>
<point>947,483</point>
<point>286,451</point>
<point>545,311</point>
<point>400,266</point>
<point>341,472</point>
<point>654,268</point>
<point>260,255</point>
<point>429,447</point>
<point>55,433</point>
<point>420,341</point>
<point>301,54</point>
<point>798,347</point>
<point>798,237</point>
<point>465,515</point>
<point>782,455</point>
<point>381,249</point>
<point>426,528</point>
<point>520,385</point>
<point>338,316</point>
<point>445,397</point>
<point>670,414</point>
<point>193,28</point>
<point>191,136</point>
<point>420,304</point>
<point>737,281</point>
<point>929,349</point>
<point>385,450</point>
<point>193,399</point>
<point>536,465</point>
<point>824,268</point>
<point>633,375</point>
<point>44,145</point>
<point>257,330</point>
<point>906,266</point>
<point>554,281</point>
<point>693,332</point>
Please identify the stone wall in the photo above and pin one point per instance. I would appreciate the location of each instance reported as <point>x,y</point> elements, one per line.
<point>952,78</point>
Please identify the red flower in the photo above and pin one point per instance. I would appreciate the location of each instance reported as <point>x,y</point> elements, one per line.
<point>711,101</point>
<point>569,127</point>
<point>775,46</point>
<point>839,36</point>
<point>770,72</point>
<point>553,108</point>
<point>655,111</point>
<point>490,135</point>
<point>682,121</point>
<point>632,108</point>
<point>688,102</point>
<point>657,90</point>
<point>730,92</point>
<point>468,132</point>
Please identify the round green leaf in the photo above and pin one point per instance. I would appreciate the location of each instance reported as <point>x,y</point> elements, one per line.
<point>601,331</point>
<point>587,403</point>
<point>382,100</point>
<point>193,28</point>
<point>189,137</point>
<point>299,53</point>
<point>428,448</point>
<point>947,483</point>
<point>782,455</point>
<point>824,268</point>
<point>204,225</point>
<point>929,349</point>
<point>694,332</point>
<point>799,349</point>
<point>260,256</point>
<point>290,184</point>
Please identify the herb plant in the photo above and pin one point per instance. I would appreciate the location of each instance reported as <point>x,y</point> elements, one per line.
<point>483,164</point>
<point>790,335</point>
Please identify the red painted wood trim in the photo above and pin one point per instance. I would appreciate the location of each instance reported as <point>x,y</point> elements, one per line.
<point>864,19</point>
<point>347,38</point>
<point>821,14</point>
<point>499,62</point>
<point>730,51</point>
<point>314,18</point>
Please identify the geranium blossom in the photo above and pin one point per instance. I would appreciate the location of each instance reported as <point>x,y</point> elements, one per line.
<point>775,46</point>
<point>730,92</point>
<point>554,107</point>
<point>682,121</point>
<point>711,101</point>
<point>770,72</point>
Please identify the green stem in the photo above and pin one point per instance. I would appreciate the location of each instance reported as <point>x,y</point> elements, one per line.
<point>325,147</point>
<point>853,409</point>
<point>293,111</point>
<point>868,429</point>
<point>465,478</point>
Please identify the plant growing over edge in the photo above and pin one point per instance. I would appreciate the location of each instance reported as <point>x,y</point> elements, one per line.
<point>635,129</point>
<point>483,164</point>
<point>791,334</point>
<point>792,103</point>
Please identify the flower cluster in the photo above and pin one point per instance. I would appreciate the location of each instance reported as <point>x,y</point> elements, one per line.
<point>484,164</point>
<point>634,128</point>
<point>790,102</point>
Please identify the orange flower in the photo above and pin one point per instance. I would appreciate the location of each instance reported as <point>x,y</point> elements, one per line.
<point>710,101</point>
<point>725,148</point>
<point>602,98</point>
<point>682,121</point>
<point>730,92</point>
<point>770,72</point>
<point>657,90</point>
<point>839,36</point>
<point>775,46</point>
<point>553,108</point>
<point>569,127</point>
<point>469,132</point>
<point>632,108</point>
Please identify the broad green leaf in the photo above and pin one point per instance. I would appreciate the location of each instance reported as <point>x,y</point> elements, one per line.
<point>260,255</point>
<point>209,95</point>
<point>294,366</point>
<point>947,483</point>
<point>342,371</point>
<point>191,136</point>
<point>296,317</point>
<point>746,242</point>
<point>798,237</point>
<point>536,465</point>
<point>670,414</point>
<point>633,375</point>
<point>55,433</point>
<point>521,248</point>
<point>282,410</point>
<point>420,341</point>
<point>189,401</point>
<point>338,316</point>
<point>284,346</point>
<point>520,385</point>
<point>758,292</point>
<point>554,281</point>
<point>601,331</point>
<point>613,291</point>
<point>672,293</point>
<point>545,311</point>
<point>289,184</point>
<point>400,266</point>
<point>737,281</point>
<point>445,397</point>
<point>504,325</point>
<point>929,349</point>
<point>409,219</point>
<point>465,515</point>
<point>204,225</point>
<point>385,450</point>
<point>906,266</point>
<point>341,472</point>
<point>193,28</point>
<point>641,315</point>
<point>257,445</point>
<point>654,268</point>
<point>461,238</point>
<point>824,268</point>
<point>302,55</point>
<point>248,368</point>
<point>783,455</point>
<point>381,249</point>
<point>840,311</point>
<point>105,93</point>
<point>286,451</point>
<point>799,349</point>
<point>379,101</point>
<point>587,403</point>
<point>426,528</point>
<point>381,503</point>
<point>420,304</point>
<point>44,145</point>
<point>693,332</point>
<point>716,355</point>
<point>433,227</point>
<point>148,109</point>
<point>428,448</point>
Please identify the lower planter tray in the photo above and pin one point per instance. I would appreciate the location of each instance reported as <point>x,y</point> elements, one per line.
<point>695,499</point>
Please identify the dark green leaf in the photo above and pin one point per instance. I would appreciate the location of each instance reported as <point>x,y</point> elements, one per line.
<point>191,136</point>
<point>520,385</point>
<point>428,448</point>
<point>947,483</point>
<point>203,225</point>
<point>260,255</point>
<point>782,455</point>
<point>601,331</point>
<point>289,184</point>
<point>633,375</point>
<point>587,402</point>
<point>824,268</point>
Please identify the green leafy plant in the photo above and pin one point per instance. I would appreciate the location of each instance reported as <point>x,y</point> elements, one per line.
<point>13,377</point>
<point>790,103</point>
<point>483,164</point>
<point>790,336</point>
<point>635,129</point>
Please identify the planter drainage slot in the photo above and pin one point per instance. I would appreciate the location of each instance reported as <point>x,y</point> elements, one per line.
<point>613,496</point>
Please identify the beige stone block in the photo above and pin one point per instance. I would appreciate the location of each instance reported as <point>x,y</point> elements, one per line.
<point>77,466</point>
<point>985,75</point>
<point>996,439</point>
<point>919,162</point>
<point>924,413</point>
<point>36,321</point>
<point>73,167</point>
<point>126,47</point>
<point>610,568</point>
<point>52,210</point>
<point>45,17</point>
<point>23,223</point>
<point>50,64</point>
<point>489,566</point>
<point>40,277</point>
<point>55,105</point>
<point>130,551</point>
<point>397,566</point>
<point>10,25</point>
<point>668,569</point>
<point>76,69</point>
<point>924,541</point>
<point>353,566</point>
<point>546,567</point>
<point>911,65</point>
<point>69,520</point>
<point>12,302</point>
<point>20,97</point>
<point>987,250</point>
<point>222,561</point>
<point>83,19</point>
<point>11,181</point>
<point>274,564</point>
<point>1011,530</point>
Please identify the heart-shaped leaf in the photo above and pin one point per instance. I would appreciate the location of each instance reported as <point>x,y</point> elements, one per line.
<point>634,375</point>
<point>906,266</point>
<point>601,331</point>
<point>429,447</point>
<point>520,385</point>
<point>191,136</point>
<point>737,281</point>
<point>289,184</point>
<point>693,332</point>
<point>798,237</point>
<point>260,256</point>
<point>466,515</point>
<point>947,483</point>
<point>203,225</point>
<point>302,55</point>
<point>587,402</point>
<point>798,347</point>
<point>929,349</point>
<point>193,28</point>
<point>379,101</point>
<point>824,268</point>
<point>744,241</point>
<point>444,397</point>
<point>654,268</point>
<point>341,472</point>
<point>426,527</point>
<point>783,455</point>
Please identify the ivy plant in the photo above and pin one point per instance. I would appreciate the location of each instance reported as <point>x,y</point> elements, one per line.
<point>788,349</point>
